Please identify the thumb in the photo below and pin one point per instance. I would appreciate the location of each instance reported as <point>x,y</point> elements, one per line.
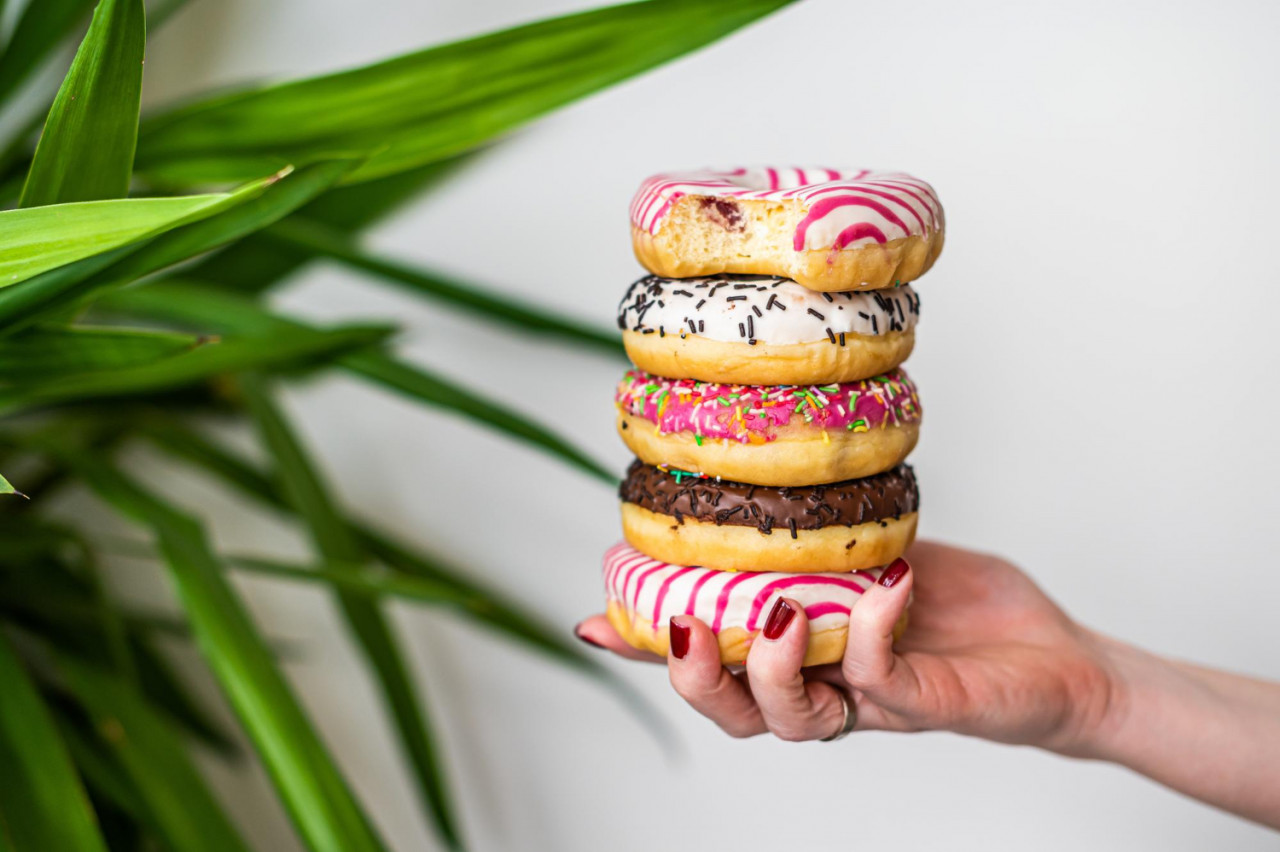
<point>870,665</point>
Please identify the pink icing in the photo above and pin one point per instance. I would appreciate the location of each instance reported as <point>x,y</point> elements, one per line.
<point>842,209</point>
<point>723,599</point>
<point>753,414</point>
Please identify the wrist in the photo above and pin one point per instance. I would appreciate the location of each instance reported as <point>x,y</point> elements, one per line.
<point>1108,716</point>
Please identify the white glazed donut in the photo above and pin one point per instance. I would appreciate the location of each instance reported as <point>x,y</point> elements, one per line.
<point>764,330</point>
<point>643,594</point>
<point>827,229</point>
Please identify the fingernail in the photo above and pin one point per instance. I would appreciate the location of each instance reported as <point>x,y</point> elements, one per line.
<point>679,640</point>
<point>587,639</point>
<point>897,569</point>
<point>779,617</point>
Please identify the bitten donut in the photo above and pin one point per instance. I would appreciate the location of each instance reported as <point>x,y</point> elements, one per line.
<point>731,526</point>
<point>643,594</point>
<point>772,434</point>
<point>763,330</point>
<point>827,229</point>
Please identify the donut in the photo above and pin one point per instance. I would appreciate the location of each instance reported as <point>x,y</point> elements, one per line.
<point>827,229</point>
<point>643,594</point>
<point>770,434</point>
<point>764,330</point>
<point>732,526</point>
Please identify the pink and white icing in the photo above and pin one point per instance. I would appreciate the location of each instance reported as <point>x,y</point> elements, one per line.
<point>754,413</point>
<point>654,591</point>
<point>842,208</point>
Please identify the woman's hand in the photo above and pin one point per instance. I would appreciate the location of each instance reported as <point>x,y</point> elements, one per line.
<point>986,654</point>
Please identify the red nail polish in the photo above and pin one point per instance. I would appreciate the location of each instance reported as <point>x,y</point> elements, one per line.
<point>779,617</point>
<point>897,569</point>
<point>679,640</point>
<point>588,640</point>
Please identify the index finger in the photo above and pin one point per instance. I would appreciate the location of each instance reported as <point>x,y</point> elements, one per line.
<point>597,631</point>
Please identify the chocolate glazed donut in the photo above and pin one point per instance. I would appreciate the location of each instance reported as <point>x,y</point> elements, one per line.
<point>843,526</point>
<point>891,494</point>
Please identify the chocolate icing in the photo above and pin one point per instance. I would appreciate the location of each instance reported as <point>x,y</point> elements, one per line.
<point>810,507</point>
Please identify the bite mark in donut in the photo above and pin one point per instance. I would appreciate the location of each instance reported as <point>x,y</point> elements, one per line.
<point>829,230</point>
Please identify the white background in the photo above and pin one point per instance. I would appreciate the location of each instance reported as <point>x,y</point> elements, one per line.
<point>1096,363</point>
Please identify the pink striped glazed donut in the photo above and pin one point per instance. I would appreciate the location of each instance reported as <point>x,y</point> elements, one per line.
<point>827,229</point>
<point>643,594</point>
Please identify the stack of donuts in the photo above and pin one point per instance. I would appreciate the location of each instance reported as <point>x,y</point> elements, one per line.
<point>768,411</point>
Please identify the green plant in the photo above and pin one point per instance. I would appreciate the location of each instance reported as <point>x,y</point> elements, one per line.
<point>132,311</point>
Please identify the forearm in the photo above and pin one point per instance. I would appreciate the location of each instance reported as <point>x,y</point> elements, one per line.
<point>1211,735</point>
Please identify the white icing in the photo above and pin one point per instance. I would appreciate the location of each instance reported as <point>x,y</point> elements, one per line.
<point>636,581</point>
<point>740,308</point>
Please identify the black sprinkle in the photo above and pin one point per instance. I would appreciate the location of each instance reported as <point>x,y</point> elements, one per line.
<point>830,336</point>
<point>736,298</point>
<point>781,306</point>
<point>816,314</point>
<point>751,326</point>
<point>742,330</point>
<point>682,293</point>
<point>791,522</point>
<point>752,342</point>
<point>826,296</point>
<point>756,309</point>
<point>694,328</point>
<point>662,332</point>
<point>875,326</point>
<point>773,297</point>
<point>698,306</point>
<point>702,324</point>
<point>842,338</point>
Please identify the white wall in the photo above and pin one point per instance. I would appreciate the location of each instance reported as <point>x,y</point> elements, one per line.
<point>1096,362</point>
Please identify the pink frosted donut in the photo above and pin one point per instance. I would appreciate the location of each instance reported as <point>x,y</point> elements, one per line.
<point>826,229</point>
<point>644,593</point>
<point>770,434</point>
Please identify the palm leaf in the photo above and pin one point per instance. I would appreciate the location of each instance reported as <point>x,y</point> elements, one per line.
<point>150,753</point>
<point>476,601</point>
<point>201,307</point>
<point>314,792</point>
<point>6,488</point>
<point>46,352</point>
<point>322,241</point>
<point>435,103</point>
<point>256,262</point>
<point>290,348</point>
<point>40,592</point>
<point>86,150</point>
<point>424,386</point>
<point>339,547</point>
<point>42,804</point>
<point>61,288</point>
<point>39,239</point>
<point>41,27</point>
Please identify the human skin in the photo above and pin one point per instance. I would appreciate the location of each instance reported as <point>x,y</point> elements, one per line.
<point>987,654</point>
